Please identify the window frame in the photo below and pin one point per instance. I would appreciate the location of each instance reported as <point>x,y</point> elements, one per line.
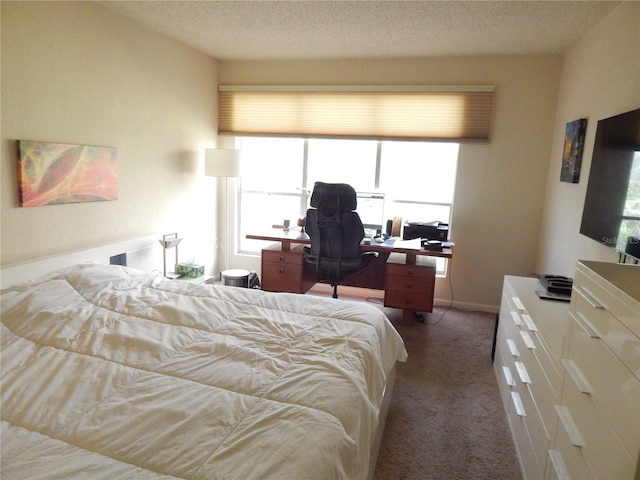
<point>304,195</point>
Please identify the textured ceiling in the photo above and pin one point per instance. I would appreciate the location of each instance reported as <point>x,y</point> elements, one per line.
<point>243,30</point>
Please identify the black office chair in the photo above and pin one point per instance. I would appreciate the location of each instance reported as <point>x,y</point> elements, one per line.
<point>335,231</point>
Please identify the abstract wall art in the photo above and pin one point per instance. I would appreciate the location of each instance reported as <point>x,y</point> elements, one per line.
<point>572,153</point>
<point>54,173</point>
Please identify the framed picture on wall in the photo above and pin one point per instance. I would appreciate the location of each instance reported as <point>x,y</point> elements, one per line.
<point>54,173</point>
<point>572,152</point>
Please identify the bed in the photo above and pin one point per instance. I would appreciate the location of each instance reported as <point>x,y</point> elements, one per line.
<point>111,372</point>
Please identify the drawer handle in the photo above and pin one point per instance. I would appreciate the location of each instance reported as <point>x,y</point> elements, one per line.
<point>516,318</point>
<point>577,440</point>
<point>517,403</point>
<point>584,324</point>
<point>562,473</point>
<point>577,376</point>
<point>281,269</point>
<point>508,376</point>
<point>528,341</point>
<point>518,303</point>
<point>528,321</point>
<point>512,348</point>
<point>589,297</point>
<point>522,372</point>
<point>409,285</point>
<point>282,258</point>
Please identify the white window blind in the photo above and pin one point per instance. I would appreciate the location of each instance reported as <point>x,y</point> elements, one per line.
<point>454,113</point>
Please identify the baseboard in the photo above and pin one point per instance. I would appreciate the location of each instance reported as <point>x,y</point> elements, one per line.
<point>468,306</point>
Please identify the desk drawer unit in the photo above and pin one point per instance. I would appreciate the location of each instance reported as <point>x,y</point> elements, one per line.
<point>282,270</point>
<point>409,287</point>
<point>599,412</point>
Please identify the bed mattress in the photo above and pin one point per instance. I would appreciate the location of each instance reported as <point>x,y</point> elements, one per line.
<point>109,372</point>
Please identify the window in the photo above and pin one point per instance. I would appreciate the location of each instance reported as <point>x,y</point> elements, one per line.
<point>277,177</point>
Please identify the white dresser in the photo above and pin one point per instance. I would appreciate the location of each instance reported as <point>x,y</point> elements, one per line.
<point>528,363</point>
<point>569,374</point>
<point>598,435</point>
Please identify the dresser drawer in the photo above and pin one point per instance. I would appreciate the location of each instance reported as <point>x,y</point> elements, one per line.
<point>598,316</point>
<point>510,318</point>
<point>538,384</point>
<point>588,430</point>
<point>504,371</point>
<point>602,324</point>
<point>552,368</point>
<point>609,383</point>
<point>530,340</point>
<point>548,319</point>
<point>536,431</point>
<point>556,467</point>
<point>506,340</point>
<point>572,457</point>
<point>517,414</point>
<point>510,299</point>
<point>606,296</point>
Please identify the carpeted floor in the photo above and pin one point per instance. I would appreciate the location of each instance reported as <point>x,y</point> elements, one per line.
<point>446,419</point>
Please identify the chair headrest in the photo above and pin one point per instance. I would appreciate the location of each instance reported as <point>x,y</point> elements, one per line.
<point>325,196</point>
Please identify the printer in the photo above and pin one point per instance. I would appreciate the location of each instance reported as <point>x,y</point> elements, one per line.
<point>426,230</point>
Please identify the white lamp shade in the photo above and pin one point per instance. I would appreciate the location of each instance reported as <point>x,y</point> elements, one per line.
<point>221,162</point>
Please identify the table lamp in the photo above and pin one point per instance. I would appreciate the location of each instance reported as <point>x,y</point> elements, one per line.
<point>170,240</point>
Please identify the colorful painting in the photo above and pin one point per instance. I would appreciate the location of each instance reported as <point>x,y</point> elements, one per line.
<point>53,173</point>
<point>573,147</point>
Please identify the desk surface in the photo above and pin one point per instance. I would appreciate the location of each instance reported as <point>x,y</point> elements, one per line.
<point>295,236</point>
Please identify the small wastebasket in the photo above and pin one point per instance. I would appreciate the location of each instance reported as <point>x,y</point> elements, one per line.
<point>235,278</point>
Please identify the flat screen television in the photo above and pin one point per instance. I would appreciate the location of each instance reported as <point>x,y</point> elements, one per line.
<point>611,212</point>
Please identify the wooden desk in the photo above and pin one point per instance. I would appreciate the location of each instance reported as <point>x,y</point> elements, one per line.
<point>406,278</point>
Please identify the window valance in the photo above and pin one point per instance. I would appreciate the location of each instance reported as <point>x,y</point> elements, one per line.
<point>444,113</point>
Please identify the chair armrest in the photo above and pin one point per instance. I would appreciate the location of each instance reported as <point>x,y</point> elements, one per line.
<point>367,257</point>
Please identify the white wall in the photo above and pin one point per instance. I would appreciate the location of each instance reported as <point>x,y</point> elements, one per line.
<point>78,73</point>
<point>500,186</point>
<point>600,78</point>
<point>75,72</point>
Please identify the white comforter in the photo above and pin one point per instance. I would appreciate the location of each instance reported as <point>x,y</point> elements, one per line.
<point>110,373</point>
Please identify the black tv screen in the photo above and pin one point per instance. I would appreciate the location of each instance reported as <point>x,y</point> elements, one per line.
<point>611,212</point>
